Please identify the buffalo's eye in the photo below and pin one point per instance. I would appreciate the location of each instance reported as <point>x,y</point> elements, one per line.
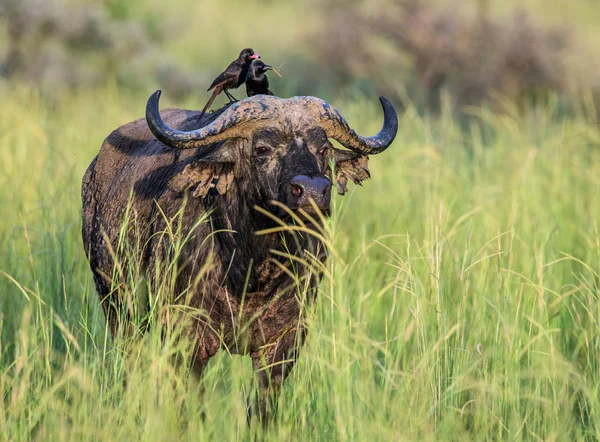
<point>323,150</point>
<point>263,149</point>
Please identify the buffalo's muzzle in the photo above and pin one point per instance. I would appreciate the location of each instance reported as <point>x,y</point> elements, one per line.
<point>303,188</point>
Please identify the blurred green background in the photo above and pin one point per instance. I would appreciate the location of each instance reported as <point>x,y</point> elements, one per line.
<point>476,50</point>
<point>463,300</point>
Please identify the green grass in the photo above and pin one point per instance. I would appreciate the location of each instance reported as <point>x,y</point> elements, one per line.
<point>464,303</point>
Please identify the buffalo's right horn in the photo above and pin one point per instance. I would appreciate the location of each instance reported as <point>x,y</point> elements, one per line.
<point>336,127</point>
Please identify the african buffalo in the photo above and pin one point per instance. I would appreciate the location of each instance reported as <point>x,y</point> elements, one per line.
<point>175,168</point>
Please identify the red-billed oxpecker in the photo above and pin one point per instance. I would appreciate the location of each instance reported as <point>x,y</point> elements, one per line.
<point>232,77</point>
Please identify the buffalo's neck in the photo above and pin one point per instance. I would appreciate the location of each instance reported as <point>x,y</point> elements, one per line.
<point>247,253</point>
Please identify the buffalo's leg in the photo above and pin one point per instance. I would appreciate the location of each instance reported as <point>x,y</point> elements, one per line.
<point>111,312</point>
<point>272,364</point>
<point>109,304</point>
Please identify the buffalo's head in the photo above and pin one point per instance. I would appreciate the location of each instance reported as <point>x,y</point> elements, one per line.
<point>278,149</point>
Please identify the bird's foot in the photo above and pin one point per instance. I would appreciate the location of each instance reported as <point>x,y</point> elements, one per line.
<point>232,99</point>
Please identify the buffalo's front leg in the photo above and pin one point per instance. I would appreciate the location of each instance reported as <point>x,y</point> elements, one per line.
<point>272,364</point>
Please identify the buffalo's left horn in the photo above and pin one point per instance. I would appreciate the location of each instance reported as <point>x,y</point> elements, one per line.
<point>336,127</point>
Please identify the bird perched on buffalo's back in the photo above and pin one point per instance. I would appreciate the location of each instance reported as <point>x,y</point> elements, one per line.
<point>256,80</point>
<point>232,77</point>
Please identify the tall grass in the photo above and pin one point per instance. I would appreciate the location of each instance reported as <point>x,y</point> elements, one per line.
<point>461,300</point>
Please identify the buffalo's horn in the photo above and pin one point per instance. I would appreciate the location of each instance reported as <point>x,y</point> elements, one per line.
<point>233,123</point>
<point>336,127</point>
<point>239,120</point>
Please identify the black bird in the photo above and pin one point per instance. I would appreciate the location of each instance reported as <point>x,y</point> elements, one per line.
<point>232,77</point>
<point>256,80</point>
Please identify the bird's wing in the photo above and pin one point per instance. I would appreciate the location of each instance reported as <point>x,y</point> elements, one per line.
<point>225,75</point>
<point>220,80</point>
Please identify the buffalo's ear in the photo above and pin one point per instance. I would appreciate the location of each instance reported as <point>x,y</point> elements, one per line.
<point>200,177</point>
<point>350,165</point>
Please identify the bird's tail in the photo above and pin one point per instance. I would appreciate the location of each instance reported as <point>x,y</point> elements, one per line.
<point>216,92</point>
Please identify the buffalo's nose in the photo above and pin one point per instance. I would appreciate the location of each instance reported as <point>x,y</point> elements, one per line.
<point>304,188</point>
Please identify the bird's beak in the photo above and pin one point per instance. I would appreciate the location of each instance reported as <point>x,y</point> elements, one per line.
<point>271,68</point>
<point>254,56</point>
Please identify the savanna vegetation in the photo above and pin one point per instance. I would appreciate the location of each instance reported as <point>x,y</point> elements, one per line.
<point>461,300</point>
